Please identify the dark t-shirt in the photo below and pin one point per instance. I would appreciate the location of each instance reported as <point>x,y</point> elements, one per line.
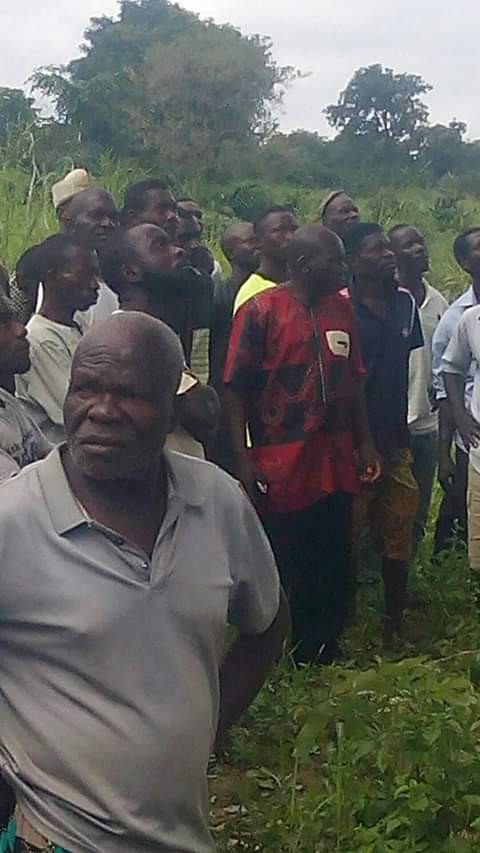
<point>224,294</point>
<point>386,345</point>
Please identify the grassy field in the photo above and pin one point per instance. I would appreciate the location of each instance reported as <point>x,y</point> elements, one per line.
<point>377,754</point>
<point>380,753</point>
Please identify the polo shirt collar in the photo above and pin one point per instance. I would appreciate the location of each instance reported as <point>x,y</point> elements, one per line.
<point>468,299</point>
<point>66,512</point>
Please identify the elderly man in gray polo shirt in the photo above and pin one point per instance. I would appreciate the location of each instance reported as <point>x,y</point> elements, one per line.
<point>121,565</point>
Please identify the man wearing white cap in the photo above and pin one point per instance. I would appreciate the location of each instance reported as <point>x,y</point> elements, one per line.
<point>89,214</point>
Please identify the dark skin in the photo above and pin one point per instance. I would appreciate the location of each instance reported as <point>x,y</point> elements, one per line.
<point>374,269</point>
<point>117,415</point>
<point>240,247</point>
<point>412,260</point>
<point>91,216</point>
<point>189,238</point>
<point>116,419</point>
<point>159,208</point>
<point>72,286</point>
<point>274,236</point>
<point>14,349</point>
<point>317,264</point>
<point>341,214</point>
<point>455,385</point>
<point>148,284</point>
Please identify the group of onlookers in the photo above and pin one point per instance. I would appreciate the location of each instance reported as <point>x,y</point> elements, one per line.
<point>326,374</point>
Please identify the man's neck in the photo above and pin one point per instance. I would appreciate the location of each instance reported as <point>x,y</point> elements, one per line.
<point>239,275</point>
<point>134,507</point>
<point>415,284</point>
<point>476,287</point>
<point>372,294</point>
<point>273,269</point>
<point>55,311</point>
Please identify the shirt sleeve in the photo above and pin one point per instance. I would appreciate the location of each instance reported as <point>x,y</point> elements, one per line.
<point>255,593</point>
<point>47,380</point>
<point>246,347</point>
<point>416,335</point>
<point>458,354</point>
<point>441,337</point>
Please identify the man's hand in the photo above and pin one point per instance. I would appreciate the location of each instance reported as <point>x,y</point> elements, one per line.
<point>446,469</point>
<point>252,481</point>
<point>370,463</point>
<point>469,430</point>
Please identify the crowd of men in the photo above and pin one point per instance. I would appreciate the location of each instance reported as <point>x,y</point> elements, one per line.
<point>326,374</point>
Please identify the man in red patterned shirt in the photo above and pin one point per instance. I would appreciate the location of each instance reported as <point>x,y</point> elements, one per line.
<point>294,376</point>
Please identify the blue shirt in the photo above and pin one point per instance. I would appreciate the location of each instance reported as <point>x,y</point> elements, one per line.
<point>386,345</point>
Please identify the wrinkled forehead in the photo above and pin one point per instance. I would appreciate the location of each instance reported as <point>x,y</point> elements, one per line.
<point>374,242</point>
<point>280,219</point>
<point>121,368</point>
<point>92,201</point>
<point>159,198</point>
<point>341,204</point>
<point>404,236</point>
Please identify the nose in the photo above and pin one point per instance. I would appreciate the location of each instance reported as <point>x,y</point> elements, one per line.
<point>104,410</point>
<point>107,221</point>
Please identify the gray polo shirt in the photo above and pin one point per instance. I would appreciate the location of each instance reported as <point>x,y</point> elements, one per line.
<point>109,660</point>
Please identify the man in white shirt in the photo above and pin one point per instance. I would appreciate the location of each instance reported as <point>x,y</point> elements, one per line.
<point>413,262</point>
<point>462,349</point>
<point>453,476</point>
<point>70,274</point>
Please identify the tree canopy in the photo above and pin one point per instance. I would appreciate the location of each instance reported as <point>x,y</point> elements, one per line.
<point>162,77</point>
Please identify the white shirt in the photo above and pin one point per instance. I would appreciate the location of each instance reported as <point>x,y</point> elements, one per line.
<point>43,389</point>
<point>462,352</point>
<point>421,416</point>
<point>105,305</point>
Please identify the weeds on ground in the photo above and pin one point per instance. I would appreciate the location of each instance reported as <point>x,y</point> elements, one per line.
<point>378,754</point>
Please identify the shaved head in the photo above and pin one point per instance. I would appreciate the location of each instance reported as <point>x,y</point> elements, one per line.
<point>317,260</point>
<point>240,246</point>
<point>309,239</point>
<point>120,403</point>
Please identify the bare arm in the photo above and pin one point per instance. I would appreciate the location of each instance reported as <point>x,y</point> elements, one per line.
<point>246,666</point>
<point>237,425</point>
<point>369,459</point>
<point>446,466</point>
<point>466,424</point>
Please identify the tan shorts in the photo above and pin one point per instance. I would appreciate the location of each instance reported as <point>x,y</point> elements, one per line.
<point>387,509</point>
<point>473,506</point>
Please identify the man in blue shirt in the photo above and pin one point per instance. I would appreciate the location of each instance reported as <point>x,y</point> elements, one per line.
<point>389,329</point>
<point>453,475</point>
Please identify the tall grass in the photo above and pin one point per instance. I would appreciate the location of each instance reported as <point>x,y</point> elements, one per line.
<point>27,215</point>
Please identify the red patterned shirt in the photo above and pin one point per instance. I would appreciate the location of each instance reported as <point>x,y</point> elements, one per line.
<point>298,370</point>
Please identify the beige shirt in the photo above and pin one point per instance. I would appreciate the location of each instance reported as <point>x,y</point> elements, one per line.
<point>44,387</point>
<point>422,417</point>
<point>110,656</point>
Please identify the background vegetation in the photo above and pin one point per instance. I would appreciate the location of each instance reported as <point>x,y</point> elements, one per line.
<point>377,754</point>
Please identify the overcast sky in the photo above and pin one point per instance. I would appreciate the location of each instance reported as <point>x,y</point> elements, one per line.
<point>327,39</point>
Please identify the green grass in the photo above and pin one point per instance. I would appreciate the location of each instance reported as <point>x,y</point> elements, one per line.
<point>380,753</point>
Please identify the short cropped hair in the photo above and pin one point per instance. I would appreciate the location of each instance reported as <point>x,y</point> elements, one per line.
<point>355,237</point>
<point>460,244</point>
<point>135,195</point>
<point>54,254</point>
<point>117,253</point>
<point>277,208</point>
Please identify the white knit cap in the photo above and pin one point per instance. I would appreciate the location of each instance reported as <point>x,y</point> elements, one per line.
<point>75,182</point>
